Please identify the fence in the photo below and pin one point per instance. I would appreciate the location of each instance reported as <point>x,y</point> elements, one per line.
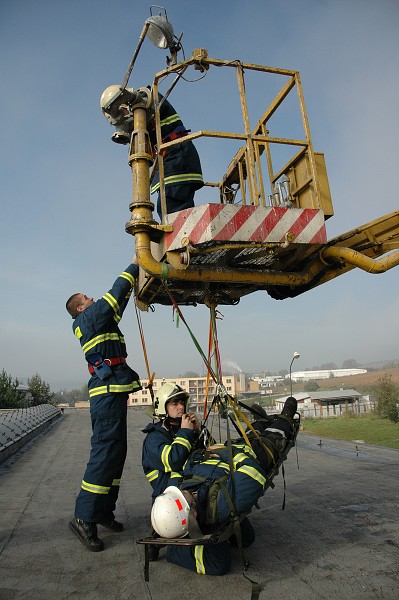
<point>317,411</point>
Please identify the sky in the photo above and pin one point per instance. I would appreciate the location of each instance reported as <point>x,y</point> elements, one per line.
<point>66,188</point>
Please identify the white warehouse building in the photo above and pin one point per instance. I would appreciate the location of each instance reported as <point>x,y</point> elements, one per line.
<point>325,374</point>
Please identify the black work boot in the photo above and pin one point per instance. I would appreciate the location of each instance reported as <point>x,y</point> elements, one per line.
<point>260,418</point>
<point>258,411</point>
<point>87,533</point>
<point>290,407</point>
<point>112,524</point>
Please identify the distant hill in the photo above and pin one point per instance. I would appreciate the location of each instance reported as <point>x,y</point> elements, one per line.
<point>357,382</point>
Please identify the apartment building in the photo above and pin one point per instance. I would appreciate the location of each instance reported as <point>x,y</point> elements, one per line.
<point>195,386</point>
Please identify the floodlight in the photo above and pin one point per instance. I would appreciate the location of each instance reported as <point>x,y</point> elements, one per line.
<point>160,31</point>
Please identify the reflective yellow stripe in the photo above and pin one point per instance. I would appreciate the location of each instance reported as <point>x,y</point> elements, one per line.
<point>170,119</point>
<point>251,472</point>
<point>116,482</point>
<point>78,333</point>
<point>152,475</point>
<point>113,389</point>
<point>117,318</point>
<point>178,179</point>
<point>119,389</point>
<point>111,301</point>
<point>199,559</point>
<point>129,277</point>
<point>238,458</point>
<point>97,391</point>
<point>94,489</point>
<point>165,457</point>
<point>174,475</point>
<point>182,441</point>
<point>215,461</point>
<point>245,448</point>
<point>104,337</point>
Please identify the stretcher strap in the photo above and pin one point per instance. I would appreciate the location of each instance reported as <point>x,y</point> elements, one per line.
<point>239,415</point>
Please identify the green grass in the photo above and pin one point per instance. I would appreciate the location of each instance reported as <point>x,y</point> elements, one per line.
<point>369,428</point>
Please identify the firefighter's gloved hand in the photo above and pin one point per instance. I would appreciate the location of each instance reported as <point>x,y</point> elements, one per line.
<point>190,421</point>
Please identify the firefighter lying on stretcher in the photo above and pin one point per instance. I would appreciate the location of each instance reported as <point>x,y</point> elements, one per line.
<point>208,493</point>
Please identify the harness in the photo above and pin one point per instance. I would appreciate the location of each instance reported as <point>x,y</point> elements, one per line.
<point>111,362</point>
<point>177,133</point>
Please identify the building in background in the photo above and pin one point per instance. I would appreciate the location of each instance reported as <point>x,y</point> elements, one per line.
<point>322,404</point>
<point>325,374</point>
<point>197,387</point>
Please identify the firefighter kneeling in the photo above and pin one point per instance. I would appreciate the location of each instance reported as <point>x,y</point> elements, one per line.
<point>208,492</point>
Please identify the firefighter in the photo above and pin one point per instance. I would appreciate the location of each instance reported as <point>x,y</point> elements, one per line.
<point>168,442</point>
<point>182,166</point>
<point>95,324</point>
<point>207,490</point>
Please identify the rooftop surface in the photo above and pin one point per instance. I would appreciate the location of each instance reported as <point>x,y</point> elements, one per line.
<point>337,538</point>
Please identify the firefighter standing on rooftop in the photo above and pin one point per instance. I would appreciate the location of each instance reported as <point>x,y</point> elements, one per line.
<point>96,327</point>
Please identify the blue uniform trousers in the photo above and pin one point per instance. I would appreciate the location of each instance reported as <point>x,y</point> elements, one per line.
<point>212,559</point>
<point>100,486</point>
<point>179,196</point>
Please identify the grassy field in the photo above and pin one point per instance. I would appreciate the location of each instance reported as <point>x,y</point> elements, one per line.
<point>369,428</point>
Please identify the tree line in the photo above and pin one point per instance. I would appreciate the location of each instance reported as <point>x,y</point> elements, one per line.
<point>36,391</point>
<point>12,396</point>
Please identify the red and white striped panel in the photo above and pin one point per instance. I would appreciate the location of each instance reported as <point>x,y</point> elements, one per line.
<point>230,223</point>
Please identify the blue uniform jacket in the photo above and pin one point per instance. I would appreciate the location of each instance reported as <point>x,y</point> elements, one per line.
<point>97,331</point>
<point>164,455</point>
<point>245,487</point>
<point>181,161</point>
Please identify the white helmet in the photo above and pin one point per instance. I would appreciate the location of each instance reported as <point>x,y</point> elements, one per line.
<point>118,114</point>
<point>169,514</point>
<point>106,97</point>
<point>167,392</point>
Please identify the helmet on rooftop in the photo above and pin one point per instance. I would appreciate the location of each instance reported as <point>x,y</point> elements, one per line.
<point>166,393</point>
<point>169,514</point>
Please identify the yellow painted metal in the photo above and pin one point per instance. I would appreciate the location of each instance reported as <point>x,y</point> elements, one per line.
<point>298,169</point>
<point>246,164</point>
<point>299,270</point>
<point>293,268</point>
<point>217,275</point>
<point>357,259</point>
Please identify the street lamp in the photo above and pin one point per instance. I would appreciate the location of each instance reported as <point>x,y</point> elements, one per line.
<point>295,355</point>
